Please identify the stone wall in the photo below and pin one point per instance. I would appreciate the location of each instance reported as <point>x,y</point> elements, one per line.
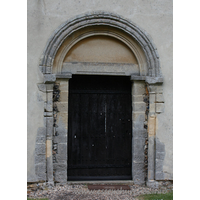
<point>44,17</point>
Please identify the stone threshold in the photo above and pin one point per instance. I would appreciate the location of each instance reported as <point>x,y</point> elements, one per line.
<point>119,182</point>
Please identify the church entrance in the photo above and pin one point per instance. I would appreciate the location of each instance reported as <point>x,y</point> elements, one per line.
<point>99,128</point>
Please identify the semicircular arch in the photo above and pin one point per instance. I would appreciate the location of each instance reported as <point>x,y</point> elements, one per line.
<point>89,24</point>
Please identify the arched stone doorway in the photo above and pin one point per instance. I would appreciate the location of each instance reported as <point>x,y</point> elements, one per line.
<point>101,44</point>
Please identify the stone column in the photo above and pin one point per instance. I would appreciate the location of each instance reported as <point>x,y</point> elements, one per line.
<point>151,136</point>
<point>49,80</point>
<point>155,148</point>
<point>138,131</point>
<point>61,130</point>
<point>49,134</point>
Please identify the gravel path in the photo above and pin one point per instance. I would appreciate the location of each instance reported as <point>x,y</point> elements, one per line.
<point>81,192</point>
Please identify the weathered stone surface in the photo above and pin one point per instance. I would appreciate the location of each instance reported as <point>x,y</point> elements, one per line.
<point>138,146</point>
<point>160,107</point>
<point>139,106</point>
<point>61,131</point>
<point>63,85</point>
<point>48,106</point>
<point>40,171</point>
<point>160,155</point>
<point>41,132</point>
<point>41,139</point>
<point>94,68</point>
<point>49,78</point>
<point>62,107</point>
<point>42,87</point>
<point>50,128</point>
<point>60,138</point>
<point>138,88</point>
<point>41,158</point>
<point>59,166</point>
<point>66,75</point>
<point>159,98</point>
<point>61,158</point>
<point>139,78</point>
<point>138,125</point>
<point>152,184</point>
<point>159,176</point>
<point>62,148</point>
<point>62,119</point>
<point>48,114</point>
<point>139,134</point>
<point>154,80</point>
<point>64,96</point>
<point>137,98</point>
<point>40,148</point>
<point>138,158</point>
<point>61,175</point>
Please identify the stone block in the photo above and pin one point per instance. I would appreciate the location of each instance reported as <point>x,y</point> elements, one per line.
<point>40,149</point>
<point>41,158</point>
<point>160,155</point>
<point>138,158</point>
<point>40,171</point>
<point>62,149</point>
<point>66,75</point>
<point>152,184</point>
<point>61,176</point>
<point>41,131</point>
<point>159,165</point>
<point>138,125</point>
<point>61,131</point>
<point>64,85</point>
<point>60,138</point>
<point>159,98</point>
<point>62,120</point>
<point>49,88</point>
<point>159,176</point>
<point>42,87</point>
<point>154,80</point>
<point>138,78</point>
<point>62,107</point>
<point>138,88</point>
<point>41,139</point>
<point>137,98</point>
<point>138,146</point>
<point>61,158</point>
<point>49,78</point>
<point>64,96</point>
<point>160,147</point>
<point>139,106</point>
<point>139,180</point>
<point>159,107</point>
<point>60,166</point>
<point>48,106</point>
<point>50,97</point>
<point>49,124</point>
<point>48,114</point>
<point>139,134</point>
<point>138,116</point>
<point>151,125</point>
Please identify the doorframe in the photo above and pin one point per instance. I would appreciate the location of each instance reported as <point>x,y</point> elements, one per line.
<point>142,84</point>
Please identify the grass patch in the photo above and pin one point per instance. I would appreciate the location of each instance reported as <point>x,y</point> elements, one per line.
<point>167,196</point>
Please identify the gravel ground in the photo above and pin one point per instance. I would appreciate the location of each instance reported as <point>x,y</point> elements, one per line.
<point>81,192</point>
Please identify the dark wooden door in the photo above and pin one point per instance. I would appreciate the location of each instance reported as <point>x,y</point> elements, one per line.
<point>100,128</point>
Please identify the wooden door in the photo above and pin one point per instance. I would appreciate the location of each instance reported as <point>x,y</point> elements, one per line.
<point>100,128</point>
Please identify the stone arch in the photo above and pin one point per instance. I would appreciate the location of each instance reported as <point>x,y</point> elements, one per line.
<point>101,19</point>
<point>51,64</point>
